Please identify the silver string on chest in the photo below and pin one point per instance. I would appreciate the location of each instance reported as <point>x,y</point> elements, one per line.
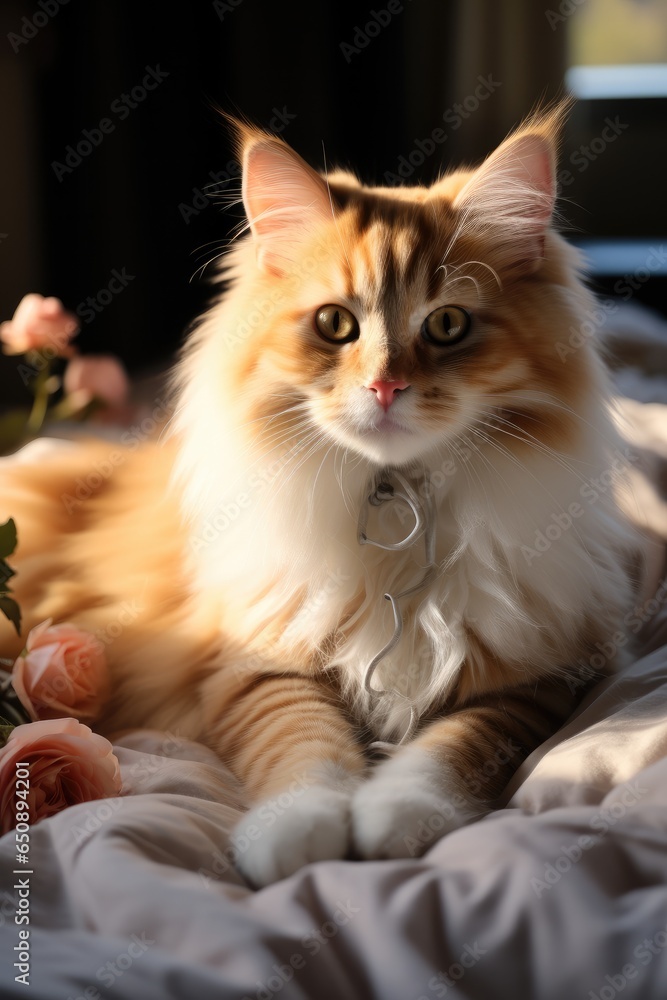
<point>383,492</point>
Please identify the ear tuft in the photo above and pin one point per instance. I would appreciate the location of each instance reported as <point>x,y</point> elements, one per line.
<point>511,196</point>
<point>285,200</point>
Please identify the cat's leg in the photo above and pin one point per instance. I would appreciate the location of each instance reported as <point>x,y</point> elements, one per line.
<point>454,770</point>
<point>288,741</point>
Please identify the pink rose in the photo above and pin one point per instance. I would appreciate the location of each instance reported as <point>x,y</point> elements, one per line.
<point>67,763</point>
<point>100,376</point>
<point>37,324</point>
<point>61,671</point>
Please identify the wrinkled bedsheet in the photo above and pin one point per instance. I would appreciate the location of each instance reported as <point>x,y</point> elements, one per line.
<point>560,894</point>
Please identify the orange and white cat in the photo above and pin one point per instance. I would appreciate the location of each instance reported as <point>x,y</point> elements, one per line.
<point>375,406</point>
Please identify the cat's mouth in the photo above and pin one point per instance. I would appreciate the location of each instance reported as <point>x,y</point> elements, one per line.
<point>386,424</point>
<point>380,437</point>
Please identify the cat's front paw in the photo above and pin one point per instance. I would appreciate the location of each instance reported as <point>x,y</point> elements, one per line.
<point>279,840</point>
<point>407,805</point>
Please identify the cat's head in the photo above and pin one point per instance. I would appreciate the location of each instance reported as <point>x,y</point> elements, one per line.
<point>395,321</point>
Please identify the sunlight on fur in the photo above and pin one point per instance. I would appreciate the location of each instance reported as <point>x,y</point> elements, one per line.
<point>360,330</point>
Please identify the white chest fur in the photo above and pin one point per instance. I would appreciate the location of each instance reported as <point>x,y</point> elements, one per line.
<point>292,556</point>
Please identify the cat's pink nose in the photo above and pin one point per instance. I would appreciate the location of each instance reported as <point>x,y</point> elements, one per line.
<point>386,391</point>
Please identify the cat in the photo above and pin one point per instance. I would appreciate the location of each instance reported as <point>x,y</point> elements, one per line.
<point>365,559</point>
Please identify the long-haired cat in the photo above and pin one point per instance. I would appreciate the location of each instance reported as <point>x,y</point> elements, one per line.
<point>375,518</point>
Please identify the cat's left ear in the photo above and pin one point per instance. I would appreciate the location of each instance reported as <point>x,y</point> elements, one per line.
<point>511,196</point>
<point>285,199</point>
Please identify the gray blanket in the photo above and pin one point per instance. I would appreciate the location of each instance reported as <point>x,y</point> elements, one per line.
<point>560,895</point>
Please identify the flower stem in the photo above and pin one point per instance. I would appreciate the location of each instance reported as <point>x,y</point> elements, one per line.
<point>41,401</point>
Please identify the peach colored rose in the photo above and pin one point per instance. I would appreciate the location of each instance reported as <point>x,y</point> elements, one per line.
<point>37,324</point>
<point>61,671</point>
<point>67,762</point>
<point>101,376</point>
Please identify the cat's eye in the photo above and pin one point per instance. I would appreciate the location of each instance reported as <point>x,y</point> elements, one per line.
<point>446,325</point>
<point>336,324</point>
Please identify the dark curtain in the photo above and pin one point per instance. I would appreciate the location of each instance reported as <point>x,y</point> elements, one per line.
<point>106,202</point>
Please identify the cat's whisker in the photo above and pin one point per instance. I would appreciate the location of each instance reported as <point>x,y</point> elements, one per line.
<point>492,271</point>
<point>264,451</point>
<point>456,234</point>
<point>228,196</point>
<point>487,461</point>
<point>542,398</point>
<point>548,400</point>
<point>548,453</point>
<point>295,435</point>
<point>310,508</point>
<point>209,243</point>
<point>493,443</point>
<point>168,427</point>
<point>465,277</point>
<point>449,267</point>
<point>299,406</point>
<point>261,451</point>
<point>312,450</point>
<point>492,440</point>
<point>498,423</point>
<point>200,270</point>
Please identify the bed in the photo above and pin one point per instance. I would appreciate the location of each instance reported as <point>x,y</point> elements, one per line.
<point>561,893</point>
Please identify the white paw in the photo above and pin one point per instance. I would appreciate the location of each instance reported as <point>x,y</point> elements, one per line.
<point>408,804</point>
<point>274,841</point>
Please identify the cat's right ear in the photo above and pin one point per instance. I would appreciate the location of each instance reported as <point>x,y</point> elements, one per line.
<point>285,199</point>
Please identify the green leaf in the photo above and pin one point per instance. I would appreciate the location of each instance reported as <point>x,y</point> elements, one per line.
<point>11,610</point>
<point>13,430</point>
<point>7,538</point>
<point>5,731</point>
<point>6,573</point>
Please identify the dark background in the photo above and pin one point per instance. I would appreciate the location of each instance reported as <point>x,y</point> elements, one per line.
<point>143,201</point>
